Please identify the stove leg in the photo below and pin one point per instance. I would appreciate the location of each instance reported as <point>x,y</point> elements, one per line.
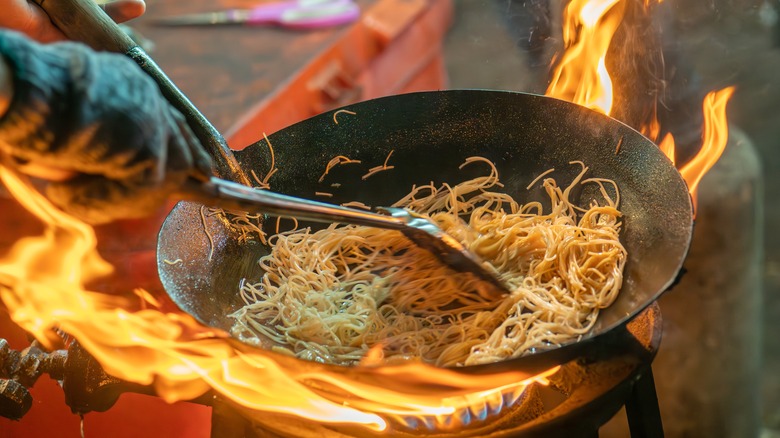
<point>644,415</point>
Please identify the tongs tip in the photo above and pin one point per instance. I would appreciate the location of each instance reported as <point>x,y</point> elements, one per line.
<point>426,234</point>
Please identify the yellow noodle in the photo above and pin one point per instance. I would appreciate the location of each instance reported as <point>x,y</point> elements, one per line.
<point>388,158</point>
<point>208,233</point>
<point>374,170</point>
<point>279,222</point>
<point>340,112</point>
<point>356,204</point>
<point>377,169</point>
<point>541,175</point>
<point>259,182</point>
<point>339,294</point>
<point>340,159</point>
<point>273,161</point>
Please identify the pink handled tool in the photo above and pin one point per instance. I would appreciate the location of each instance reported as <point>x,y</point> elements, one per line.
<point>295,14</point>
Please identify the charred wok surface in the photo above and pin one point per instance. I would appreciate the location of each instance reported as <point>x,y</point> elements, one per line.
<point>430,135</point>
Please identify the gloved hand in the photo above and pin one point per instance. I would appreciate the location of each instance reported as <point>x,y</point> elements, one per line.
<point>101,118</point>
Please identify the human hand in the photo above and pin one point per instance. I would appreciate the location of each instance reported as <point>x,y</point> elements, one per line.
<point>99,122</point>
<point>28,18</point>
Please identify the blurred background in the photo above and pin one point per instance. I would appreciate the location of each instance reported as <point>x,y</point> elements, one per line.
<point>718,369</point>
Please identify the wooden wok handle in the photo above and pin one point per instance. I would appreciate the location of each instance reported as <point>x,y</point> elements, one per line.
<point>85,21</point>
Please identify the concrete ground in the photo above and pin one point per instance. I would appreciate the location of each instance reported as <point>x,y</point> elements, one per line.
<point>729,43</point>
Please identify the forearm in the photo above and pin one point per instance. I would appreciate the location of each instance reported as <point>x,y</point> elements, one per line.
<point>6,86</point>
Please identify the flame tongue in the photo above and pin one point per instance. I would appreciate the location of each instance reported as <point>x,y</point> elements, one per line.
<point>581,75</point>
<point>43,287</point>
<point>715,136</point>
<point>29,268</point>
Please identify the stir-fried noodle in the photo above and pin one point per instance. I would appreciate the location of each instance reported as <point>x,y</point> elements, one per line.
<point>334,295</point>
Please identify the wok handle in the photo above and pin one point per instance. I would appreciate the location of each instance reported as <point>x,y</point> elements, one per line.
<point>85,21</point>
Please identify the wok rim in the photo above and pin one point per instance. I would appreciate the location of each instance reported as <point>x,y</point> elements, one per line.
<point>536,361</point>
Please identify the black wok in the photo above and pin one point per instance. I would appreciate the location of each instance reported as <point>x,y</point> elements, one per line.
<point>431,134</point>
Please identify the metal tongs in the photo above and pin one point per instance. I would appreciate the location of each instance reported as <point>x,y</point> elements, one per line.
<point>424,233</point>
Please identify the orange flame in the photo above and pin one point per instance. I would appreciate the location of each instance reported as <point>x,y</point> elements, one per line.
<point>667,147</point>
<point>714,139</point>
<point>581,75</point>
<point>42,285</point>
<point>715,136</point>
<point>653,129</point>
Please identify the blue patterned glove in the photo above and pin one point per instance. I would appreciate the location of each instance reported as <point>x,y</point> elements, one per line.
<point>101,117</point>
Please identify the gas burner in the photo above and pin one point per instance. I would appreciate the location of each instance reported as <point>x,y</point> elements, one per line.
<point>583,395</point>
<point>472,410</point>
<point>19,371</point>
